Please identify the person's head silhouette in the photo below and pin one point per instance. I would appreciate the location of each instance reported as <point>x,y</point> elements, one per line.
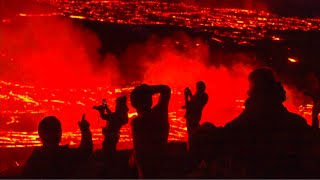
<point>260,79</point>
<point>263,85</point>
<point>141,98</point>
<point>262,76</point>
<point>201,86</point>
<point>121,102</point>
<point>50,131</point>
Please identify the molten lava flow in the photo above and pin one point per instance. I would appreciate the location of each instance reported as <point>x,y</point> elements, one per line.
<point>244,24</point>
<point>276,38</point>
<point>58,75</point>
<point>292,60</point>
<point>59,106</point>
<point>77,17</point>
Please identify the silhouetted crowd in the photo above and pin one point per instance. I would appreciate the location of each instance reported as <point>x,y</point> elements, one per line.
<point>264,141</point>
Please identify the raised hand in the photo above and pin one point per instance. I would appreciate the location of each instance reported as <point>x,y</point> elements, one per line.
<point>187,91</point>
<point>99,108</point>
<point>84,124</point>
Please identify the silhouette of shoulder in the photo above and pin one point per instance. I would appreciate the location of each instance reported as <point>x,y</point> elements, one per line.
<point>239,121</point>
<point>57,163</point>
<point>134,123</point>
<point>288,119</point>
<point>297,120</point>
<point>204,98</point>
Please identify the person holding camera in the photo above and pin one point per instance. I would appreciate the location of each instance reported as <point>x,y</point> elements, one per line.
<point>150,129</point>
<point>114,122</point>
<point>194,104</point>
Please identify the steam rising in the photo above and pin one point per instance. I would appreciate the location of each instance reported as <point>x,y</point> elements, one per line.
<point>57,53</point>
<point>54,53</point>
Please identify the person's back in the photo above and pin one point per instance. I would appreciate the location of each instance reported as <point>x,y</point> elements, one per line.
<point>264,107</point>
<point>150,130</point>
<point>267,118</point>
<point>54,161</point>
<point>266,132</point>
<point>61,162</point>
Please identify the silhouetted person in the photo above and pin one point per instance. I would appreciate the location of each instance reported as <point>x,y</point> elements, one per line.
<point>266,131</point>
<point>203,140</point>
<point>150,129</point>
<point>115,120</point>
<point>313,90</point>
<point>54,161</point>
<point>266,96</point>
<point>194,106</point>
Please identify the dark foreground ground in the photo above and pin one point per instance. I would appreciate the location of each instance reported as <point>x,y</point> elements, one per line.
<point>13,159</point>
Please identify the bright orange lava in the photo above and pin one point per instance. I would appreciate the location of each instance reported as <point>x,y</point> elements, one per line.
<point>59,58</point>
<point>20,102</point>
<point>292,60</point>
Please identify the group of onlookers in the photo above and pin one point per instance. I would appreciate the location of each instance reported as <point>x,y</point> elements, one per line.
<point>265,140</point>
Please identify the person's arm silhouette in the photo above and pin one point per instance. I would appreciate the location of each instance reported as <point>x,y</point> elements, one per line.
<point>107,109</point>
<point>102,109</point>
<point>86,136</point>
<point>125,119</point>
<point>205,99</point>
<point>187,97</point>
<point>165,94</point>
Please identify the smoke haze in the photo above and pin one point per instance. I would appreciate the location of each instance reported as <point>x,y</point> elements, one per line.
<point>57,53</point>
